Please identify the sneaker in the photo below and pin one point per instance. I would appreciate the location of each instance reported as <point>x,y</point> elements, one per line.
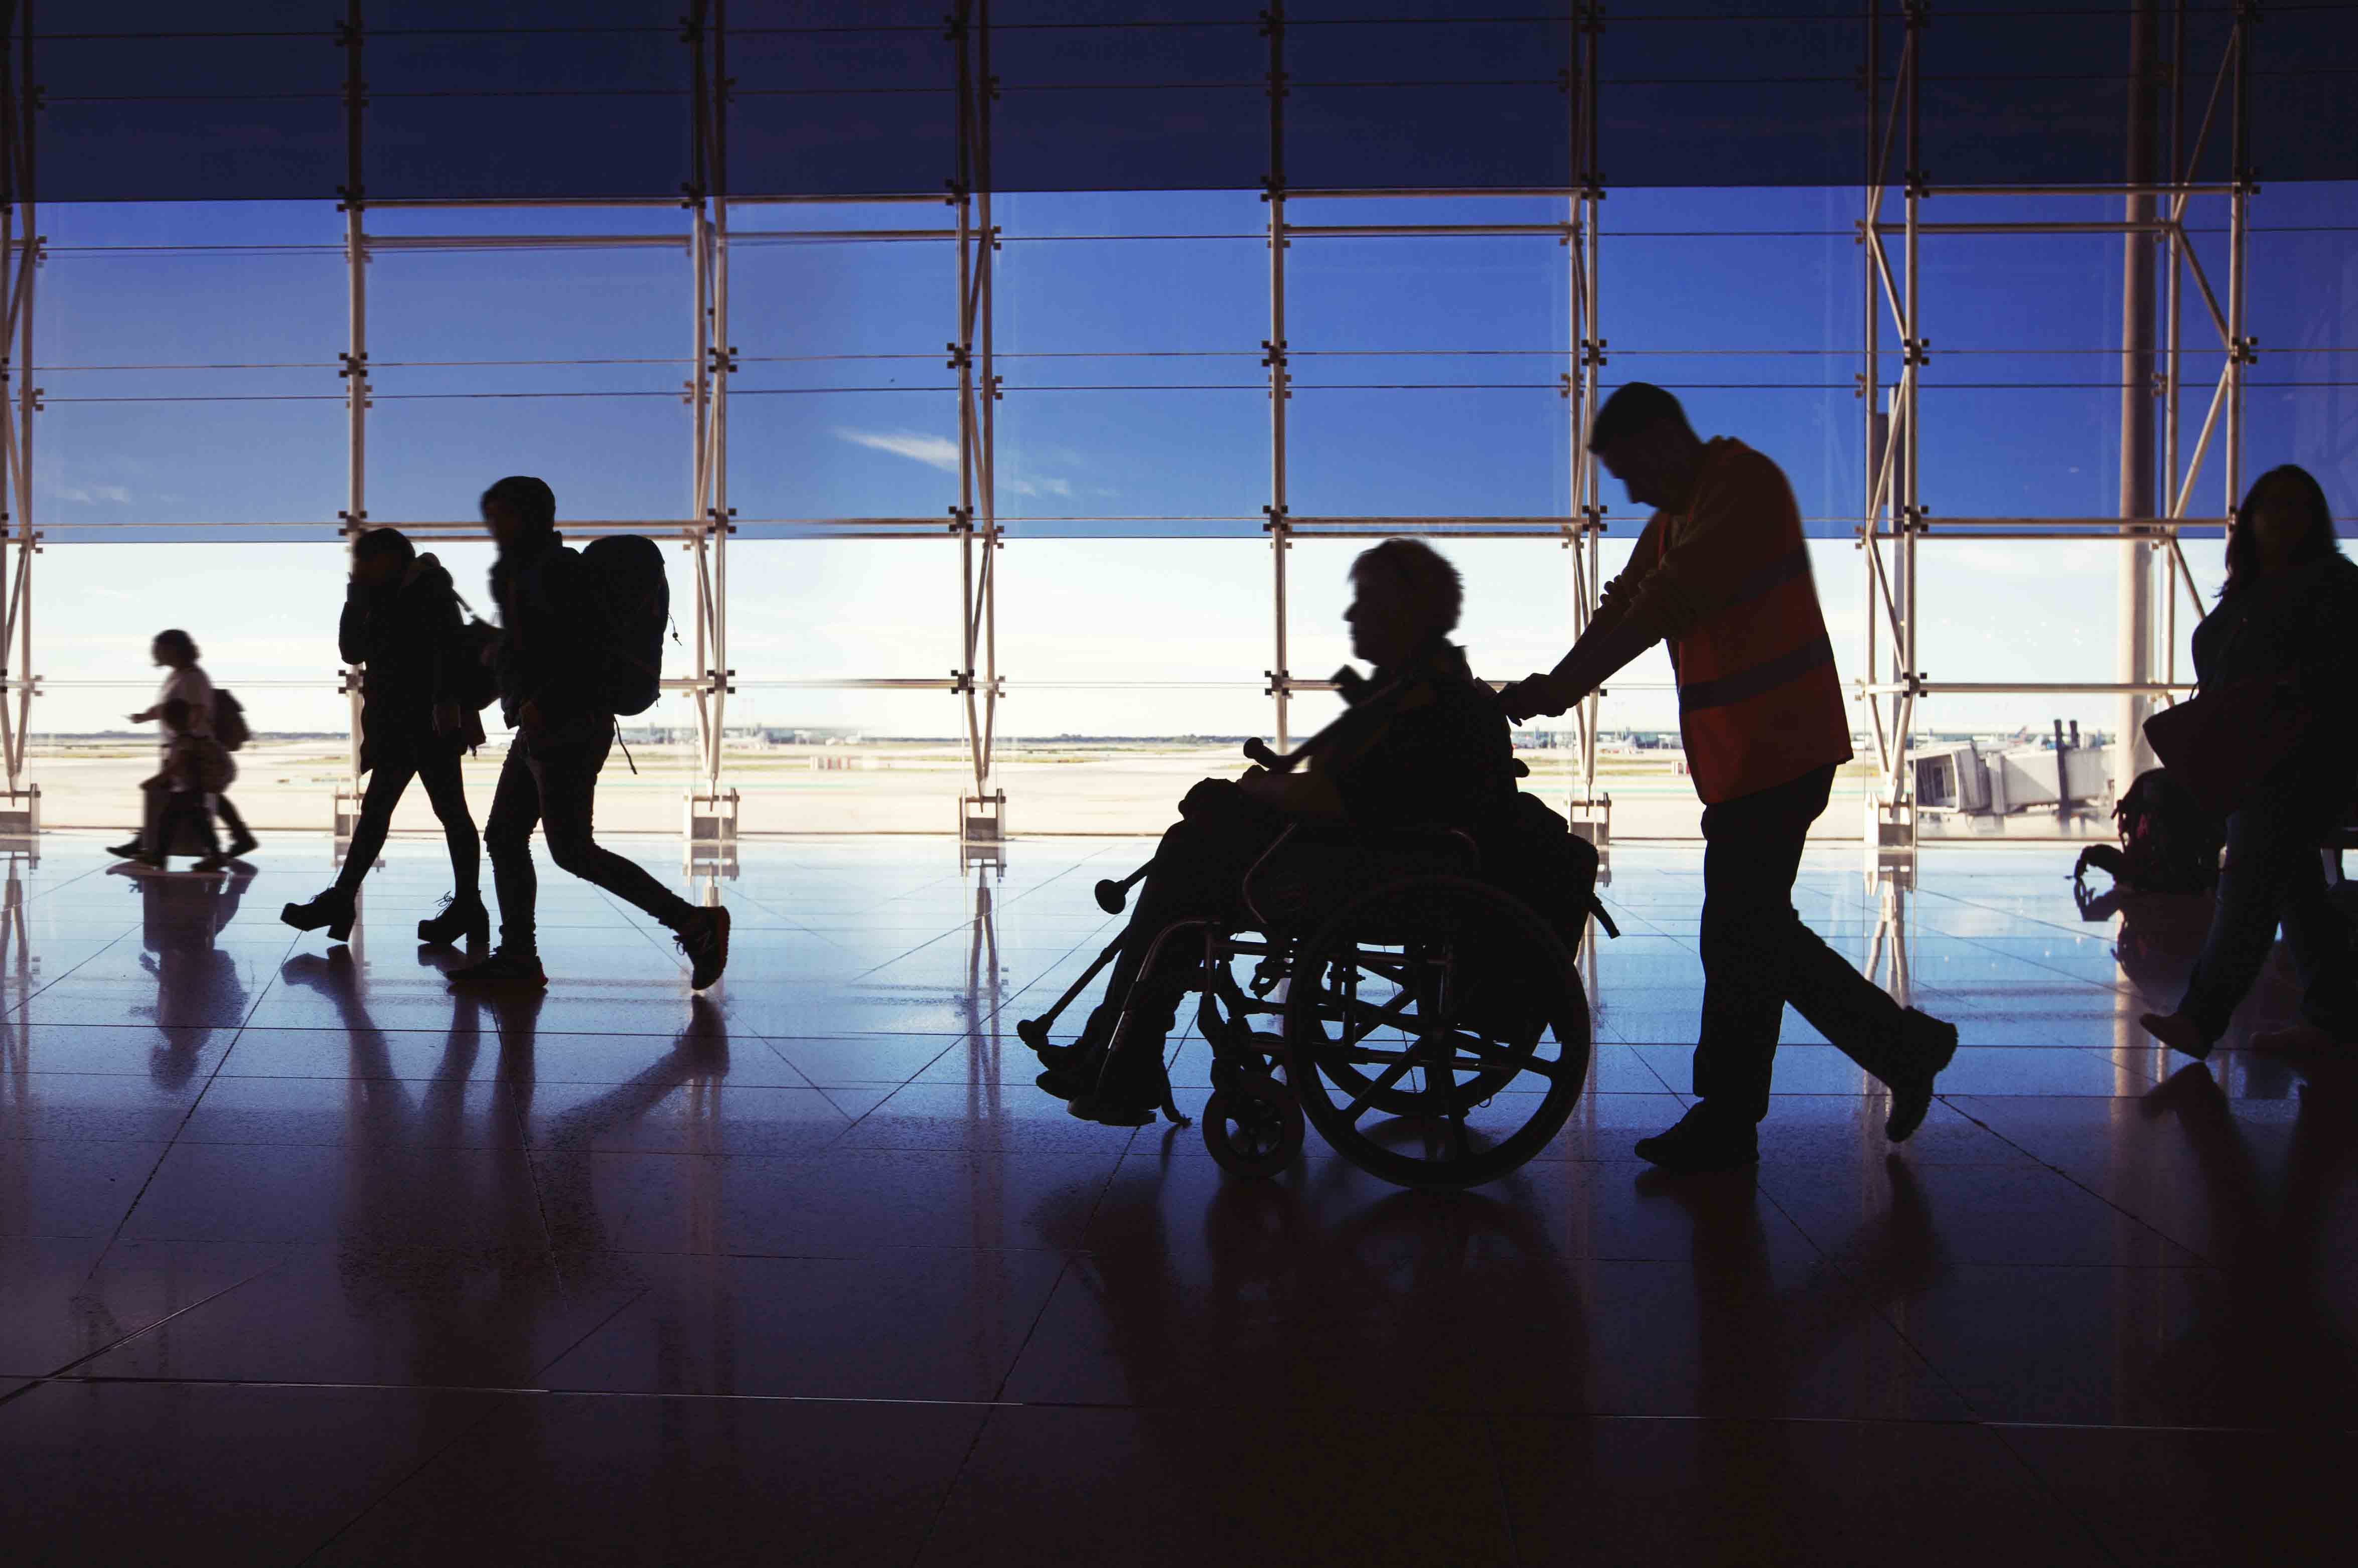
<point>1932,1043</point>
<point>705,940</point>
<point>1703,1140</point>
<point>503,969</point>
<point>2178,1033</point>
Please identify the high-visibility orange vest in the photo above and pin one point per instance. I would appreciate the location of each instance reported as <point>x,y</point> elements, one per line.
<point>1759,703</point>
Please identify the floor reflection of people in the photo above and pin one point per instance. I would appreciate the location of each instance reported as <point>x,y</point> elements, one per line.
<point>2281,1331</point>
<point>198,988</point>
<point>697,1061</point>
<point>440,1227</point>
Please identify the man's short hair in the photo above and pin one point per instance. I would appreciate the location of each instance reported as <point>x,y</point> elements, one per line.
<point>530,499</point>
<point>1424,573</point>
<point>1640,405</point>
<point>378,542</point>
<point>177,642</point>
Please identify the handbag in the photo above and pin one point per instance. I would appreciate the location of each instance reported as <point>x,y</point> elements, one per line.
<point>2224,740</point>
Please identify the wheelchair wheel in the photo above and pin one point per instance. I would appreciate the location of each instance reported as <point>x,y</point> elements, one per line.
<point>1253,1127</point>
<point>1436,1034</point>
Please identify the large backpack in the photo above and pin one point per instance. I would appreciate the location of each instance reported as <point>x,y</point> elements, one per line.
<point>630,597</point>
<point>2169,841</point>
<point>230,728</point>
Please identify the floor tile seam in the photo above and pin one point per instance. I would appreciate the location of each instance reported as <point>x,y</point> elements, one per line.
<point>949,1489</point>
<point>1981,946</point>
<point>2142,1224</point>
<point>393,1484</point>
<point>65,1372</point>
<point>2055,1499</point>
<point>26,1001</point>
<point>2080,931</point>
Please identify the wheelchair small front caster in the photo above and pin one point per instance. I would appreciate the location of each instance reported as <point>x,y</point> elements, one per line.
<point>1254,1127</point>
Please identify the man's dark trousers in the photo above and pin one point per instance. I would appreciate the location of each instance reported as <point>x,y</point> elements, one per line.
<point>1758,955</point>
<point>556,786</point>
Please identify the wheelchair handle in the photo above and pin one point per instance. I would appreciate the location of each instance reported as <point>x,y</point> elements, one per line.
<point>1112,894</point>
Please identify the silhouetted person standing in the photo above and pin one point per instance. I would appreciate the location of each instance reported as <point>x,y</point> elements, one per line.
<point>1721,574</point>
<point>550,628</point>
<point>2287,621</point>
<point>401,625</point>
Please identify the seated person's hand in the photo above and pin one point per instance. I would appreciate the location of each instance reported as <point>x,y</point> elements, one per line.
<point>1259,784</point>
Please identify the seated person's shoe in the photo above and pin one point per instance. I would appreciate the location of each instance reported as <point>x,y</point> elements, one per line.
<point>1928,1044</point>
<point>705,940</point>
<point>2178,1033</point>
<point>519,970</point>
<point>1704,1139</point>
<point>331,909</point>
<point>1128,1088</point>
<point>131,851</point>
<point>1066,1083</point>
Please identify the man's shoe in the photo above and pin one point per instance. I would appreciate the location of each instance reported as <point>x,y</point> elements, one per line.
<point>1703,1140</point>
<point>705,940</point>
<point>2178,1033</point>
<point>519,970</point>
<point>1929,1043</point>
<point>1128,1088</point>
<point>242,845</point>
<point>469,921</point>
<point>130,852</point>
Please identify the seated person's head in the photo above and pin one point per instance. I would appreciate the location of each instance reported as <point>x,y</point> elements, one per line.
<point>380,556</point>
<point>175,715</point>
<point>1405,595</point>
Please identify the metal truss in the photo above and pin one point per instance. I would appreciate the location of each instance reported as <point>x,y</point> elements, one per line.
<point>20,261</point>
<point>1579,529</point>
<point>1895,523</point>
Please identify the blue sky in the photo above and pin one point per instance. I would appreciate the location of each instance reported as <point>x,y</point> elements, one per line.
<point>1425,371</point>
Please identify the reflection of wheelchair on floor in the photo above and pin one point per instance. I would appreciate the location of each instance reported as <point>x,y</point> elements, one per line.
<point>1428,1023</point>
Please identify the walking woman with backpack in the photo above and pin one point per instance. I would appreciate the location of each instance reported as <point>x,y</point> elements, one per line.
<point>2280,641</point>
<point>400,626</point>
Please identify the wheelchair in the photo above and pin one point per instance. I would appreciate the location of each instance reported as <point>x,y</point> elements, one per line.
<point>1430,1024</point>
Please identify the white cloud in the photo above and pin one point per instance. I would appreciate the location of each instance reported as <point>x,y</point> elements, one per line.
<point>940,452</point>
<point>934,451</point>
<point>89,495</point>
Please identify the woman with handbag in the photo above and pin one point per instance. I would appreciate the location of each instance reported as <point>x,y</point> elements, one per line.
<point>401,625</point>
<point>2281,648</point>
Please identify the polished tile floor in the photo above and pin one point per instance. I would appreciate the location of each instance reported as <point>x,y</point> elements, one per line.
<point>302,1260</point>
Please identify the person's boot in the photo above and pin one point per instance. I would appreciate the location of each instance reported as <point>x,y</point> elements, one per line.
<point>705,940</point>
<point>334,909</point>
<point>1927,1044</point>
<point>1703,1140</point>
<point>466,920</point>
<point>503,969</point>
<point>1129,1084</point>
<point>2178,1033</point>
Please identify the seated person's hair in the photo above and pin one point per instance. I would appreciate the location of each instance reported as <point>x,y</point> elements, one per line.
<point>1637,407</point>
<point>176,714</point>
<point>379,542</point>
<point>1431,582</point>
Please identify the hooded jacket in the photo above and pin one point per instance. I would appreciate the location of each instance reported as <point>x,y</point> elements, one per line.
<point>544,658</point>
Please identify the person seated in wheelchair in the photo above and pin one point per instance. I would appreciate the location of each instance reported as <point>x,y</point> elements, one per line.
<point>1428,746</point>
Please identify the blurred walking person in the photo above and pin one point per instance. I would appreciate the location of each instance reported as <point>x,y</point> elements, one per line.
<point>193,768</point>
<point>1721,574</point>
<point>400,626</point>
<point>2282,637</point>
